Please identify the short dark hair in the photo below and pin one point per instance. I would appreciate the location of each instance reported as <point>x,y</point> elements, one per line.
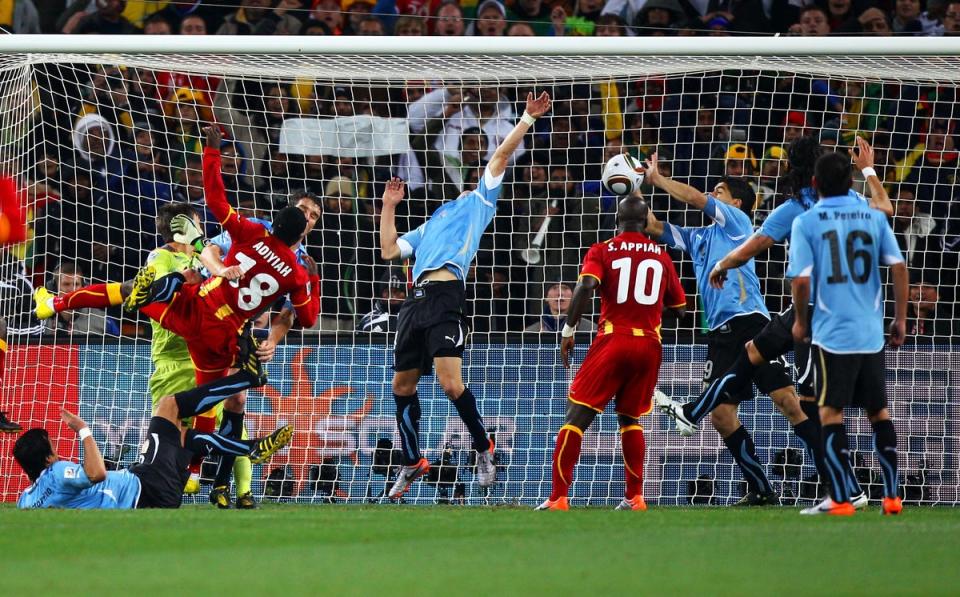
<point>296,196</point>
<point>741,189</point>
<point>31,452</point>
<point>833,174</point>
<point>289,224</point>
<point>70,268</point>
<point>166,213</point>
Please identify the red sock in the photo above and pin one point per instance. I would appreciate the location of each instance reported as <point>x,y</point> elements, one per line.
<point>205,424</point>
<point>95,296</point>
<point>565,456</point>
<point>634,448</point>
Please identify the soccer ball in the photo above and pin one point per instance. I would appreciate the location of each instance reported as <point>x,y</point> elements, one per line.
<point>622,174</point>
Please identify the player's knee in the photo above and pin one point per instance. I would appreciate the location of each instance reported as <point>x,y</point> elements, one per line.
<point>402,386</point>
<point>754,354</point>
<point>787,402</point>
<point>236,403</point>
<point>724,419</point>
<point>452,386</point>
<point>625,421</point>
<point>167,408</point>
<point>580,416</point>
<point>830,415</point>
<point>879,415</point>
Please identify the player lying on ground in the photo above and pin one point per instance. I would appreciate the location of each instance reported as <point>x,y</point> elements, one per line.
<point>431,326</point>
<point>775,339</point>
<point>835,255</point>
<point>158,478</point>
<point>735,314</point>
<point>636,279</point>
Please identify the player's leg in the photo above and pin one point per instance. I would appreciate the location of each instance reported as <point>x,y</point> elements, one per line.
<point>243,477</point>
<point>871,394</point>
<point>450,377</point>
<point>566,453</point>
<point>94,296</point>
<point>834,383</point>
<point>6,425</point>
<point>231,426</point>
<point>634,448</point>
<point>146,288</point>
<point>740,444</point>
<point>408,424</point>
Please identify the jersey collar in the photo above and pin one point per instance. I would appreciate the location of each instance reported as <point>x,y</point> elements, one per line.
<point>838,201</point>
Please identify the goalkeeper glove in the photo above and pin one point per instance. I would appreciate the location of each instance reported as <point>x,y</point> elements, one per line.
<point>186,231</point>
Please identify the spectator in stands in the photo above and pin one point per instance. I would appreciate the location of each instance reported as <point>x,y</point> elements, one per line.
<point>660,17</point>
<point>69,277</point>
<point>334,246</point>
<point>193,25</point>
<point>739,161</point>
<point>911,227</point>
<point>610,25</point>
<point>368,25</point>
<point>157,24</point>
<point>773,165</point>
<point>409,26</point>
<point>187,114</point>
<point>907,19</point>
<point>328,12</point>
<point>931,167</point>
<point>356,11</point>
<point>108,96</point>
<point>491,19</point>
<point>813,22</point>
<point>535,13</point>
<point>107,19</point>
<point>189,189</point>
<point>383,317</point>
<point>21,17</point>
<point>927,322</point>
<point>520,30</point>
<point>794,126</point>
<point>554,315</point>
<point>871,21</point>
<point>254,17</point>
<point>951,19</point>
<point>449,19</point>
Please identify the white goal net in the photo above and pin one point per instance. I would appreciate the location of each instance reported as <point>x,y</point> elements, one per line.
<point>100,141</point>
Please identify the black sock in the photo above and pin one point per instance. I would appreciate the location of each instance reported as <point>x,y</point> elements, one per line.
<point>466,406</point>
<point>202,398</point>
<point>744,453</point>
<point>211,444</point>
<point>408,422</point>
<point>812,410</point>
<point>809,433</point>
<point>837,461</point>
<point>885,443</point>
<point>734,379</point>
<point>231,425</point>
<point>162,290</point>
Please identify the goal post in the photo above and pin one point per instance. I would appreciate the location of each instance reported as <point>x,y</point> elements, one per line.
<point>102,131</point>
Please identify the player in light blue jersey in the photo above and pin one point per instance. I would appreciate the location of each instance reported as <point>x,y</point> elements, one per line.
<point>431,326</point>
<point>158,478</point>
<point>734,314</point>
<point>835,256</point>
<point>775,340</point>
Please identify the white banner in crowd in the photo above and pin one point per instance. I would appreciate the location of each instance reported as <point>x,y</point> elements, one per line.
<point>346,136</point>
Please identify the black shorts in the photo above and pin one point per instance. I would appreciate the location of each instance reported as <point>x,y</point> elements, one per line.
<point>776,340</point>
<point>843,380</point>
<point>725,344</point>
<point>430,324</point>
<point>162,467</point>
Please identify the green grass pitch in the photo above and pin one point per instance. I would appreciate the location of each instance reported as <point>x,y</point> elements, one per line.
<point>389,550</point>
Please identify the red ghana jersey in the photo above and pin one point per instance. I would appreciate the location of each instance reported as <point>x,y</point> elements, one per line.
<point>270,268</point>
<point>637,278</point>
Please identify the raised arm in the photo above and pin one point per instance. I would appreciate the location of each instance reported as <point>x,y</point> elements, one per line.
<point>392,196</point>
<point>677,190</point>
<point>215,193</point>
<point>863,160</point>
<point>306,298</point>
<point>93,465</point>
<point>534,110</point>
<point>212,258</point>
<point>582,295</point>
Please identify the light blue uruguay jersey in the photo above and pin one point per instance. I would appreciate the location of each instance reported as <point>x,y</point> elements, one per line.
<point>64,485</point>
<point>778,224</point>
<point>451,237</point>
<point>224,241</point>
<point>706,246</point>
<point>839,244</point>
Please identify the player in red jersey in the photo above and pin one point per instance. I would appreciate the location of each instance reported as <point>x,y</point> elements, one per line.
<point>636,279</point>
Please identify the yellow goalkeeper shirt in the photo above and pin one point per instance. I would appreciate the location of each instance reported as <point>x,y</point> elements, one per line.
<point>166,345</point>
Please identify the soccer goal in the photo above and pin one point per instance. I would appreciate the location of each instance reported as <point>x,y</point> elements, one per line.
<point>103,131</point>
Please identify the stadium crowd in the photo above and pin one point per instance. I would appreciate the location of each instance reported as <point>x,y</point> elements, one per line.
<point>114,142</point>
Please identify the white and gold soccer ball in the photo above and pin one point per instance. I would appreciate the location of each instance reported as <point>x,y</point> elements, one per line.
<point>622,174</point>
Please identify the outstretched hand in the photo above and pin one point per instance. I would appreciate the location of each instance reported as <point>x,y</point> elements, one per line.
<point>652,169</point>
<point>539,106</point>
<point>393,194</point>
<point>213,136</point>
<point>73,421</point>
<point>566,347</point>
<point>863,156</point>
